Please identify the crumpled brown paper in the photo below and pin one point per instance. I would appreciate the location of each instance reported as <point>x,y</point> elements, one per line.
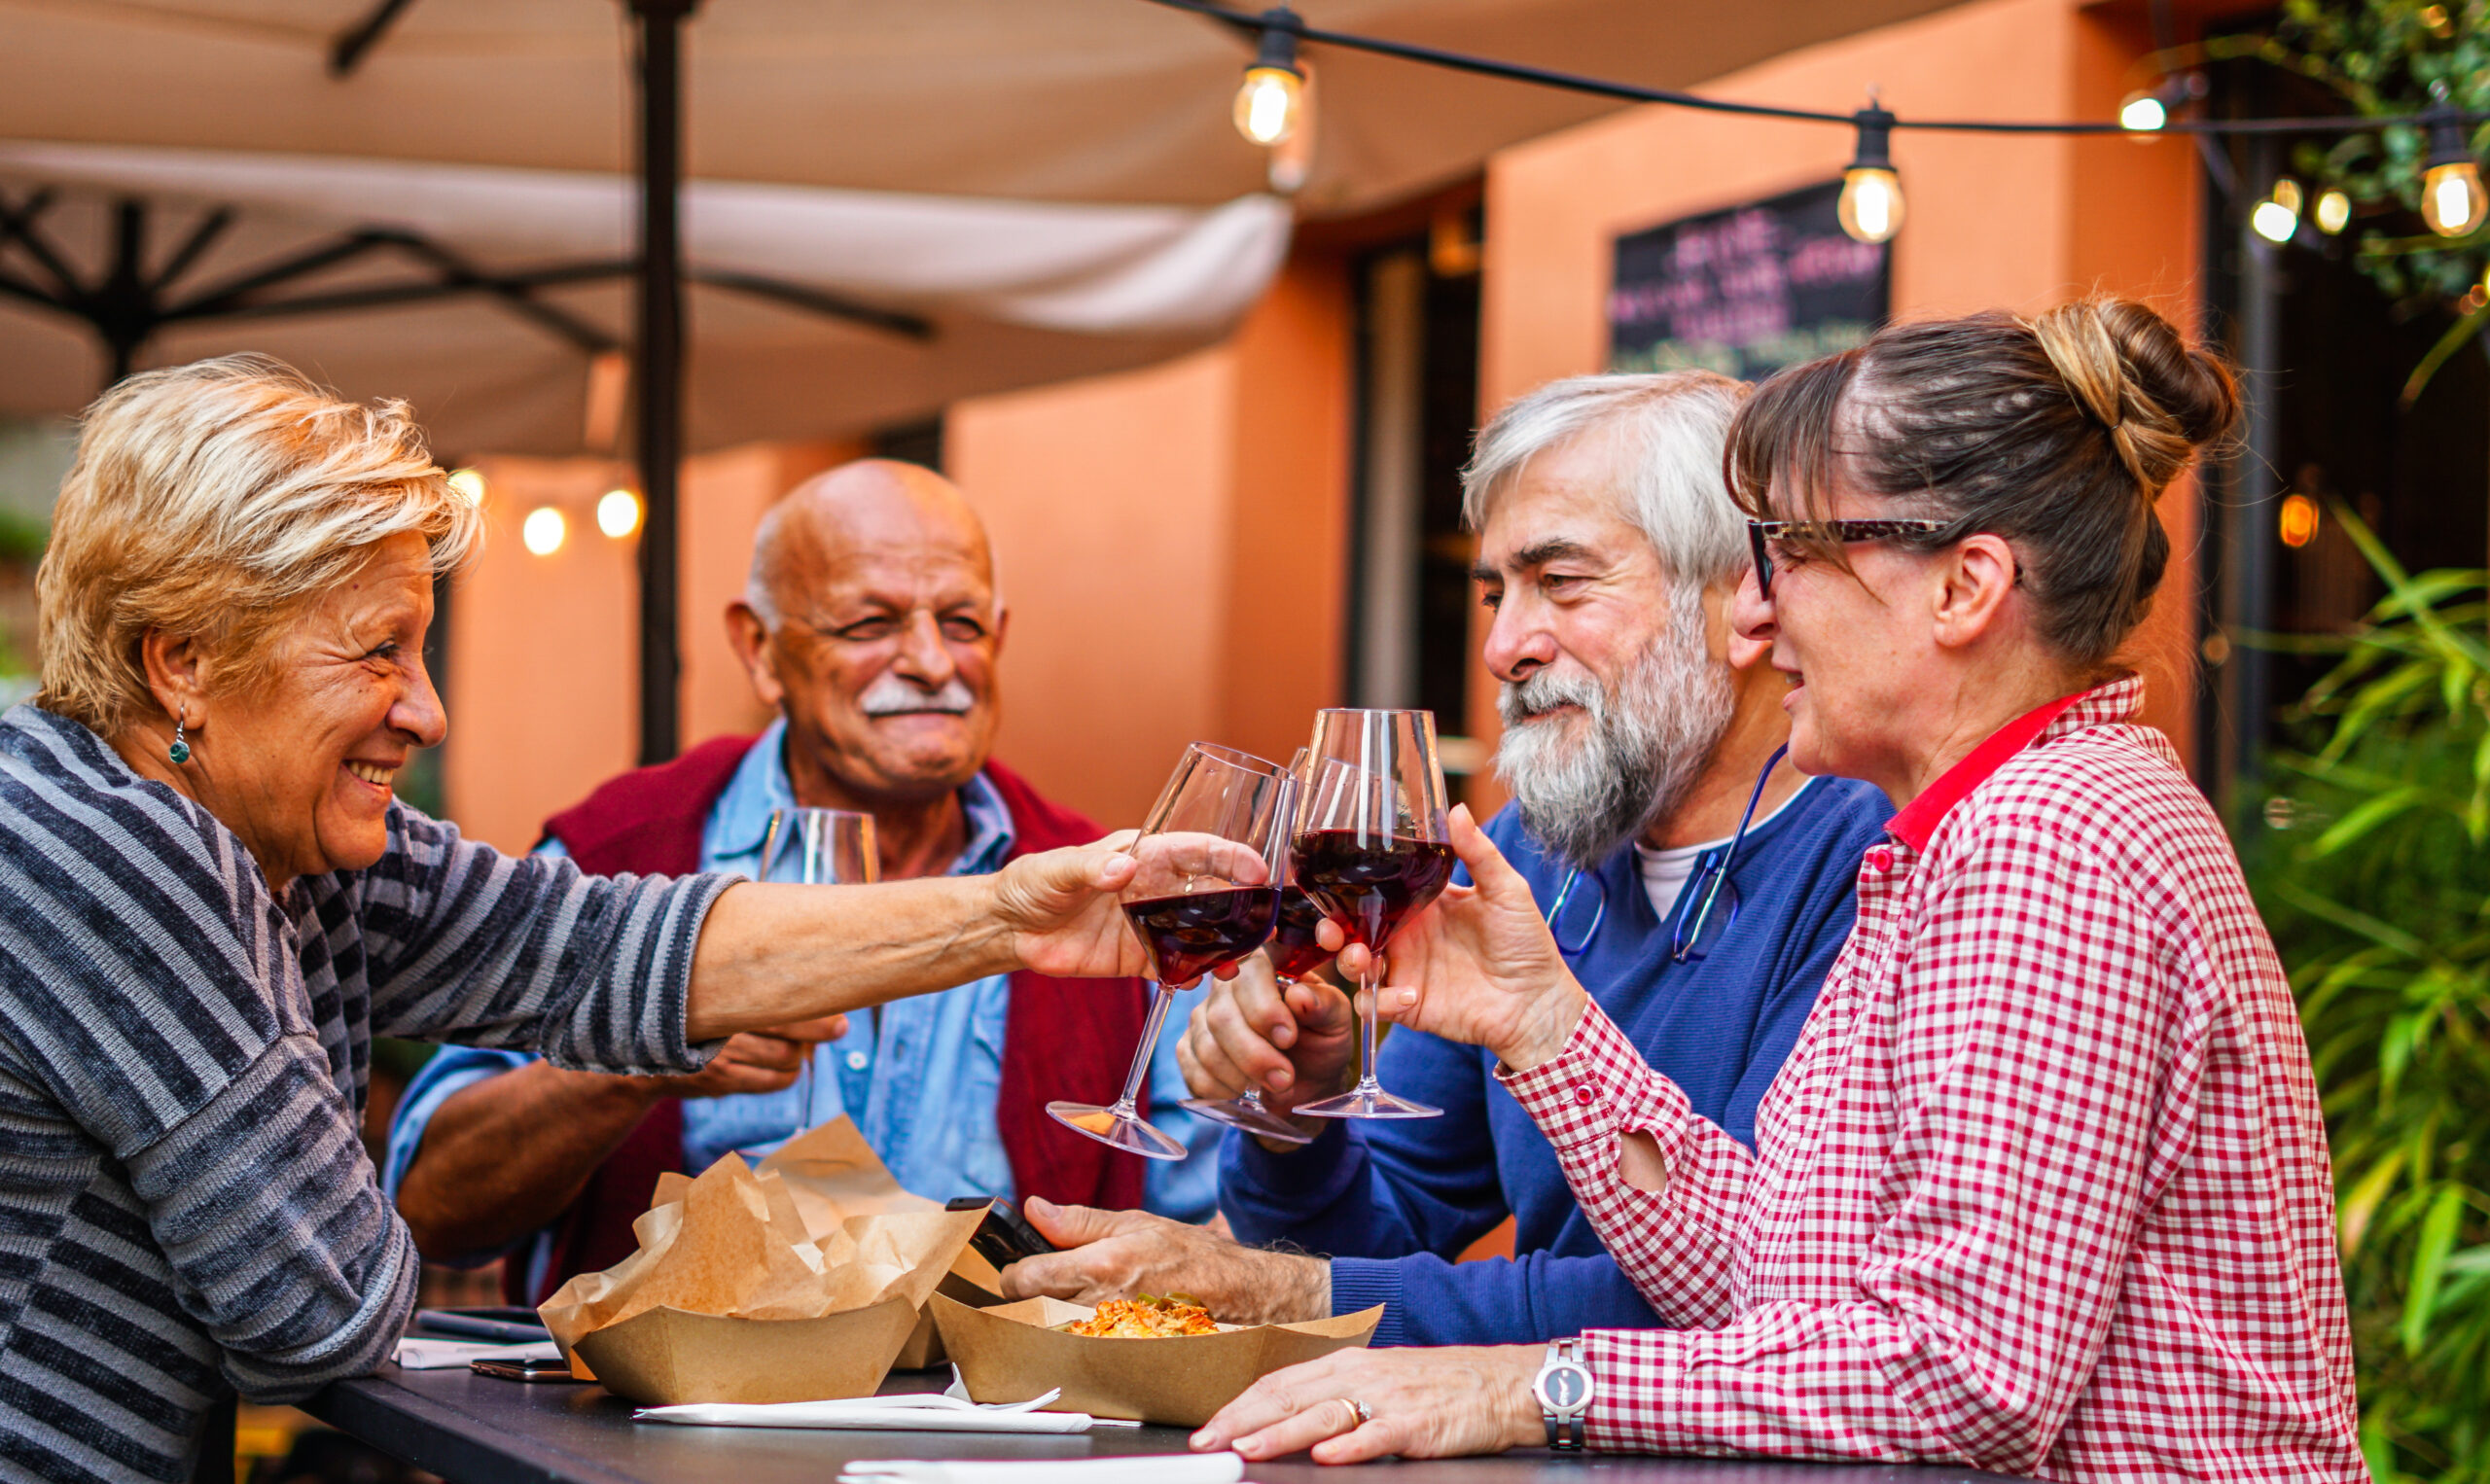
<point>819,1229</point>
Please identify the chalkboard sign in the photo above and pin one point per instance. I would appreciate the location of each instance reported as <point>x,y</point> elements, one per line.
<point>1746,291</point>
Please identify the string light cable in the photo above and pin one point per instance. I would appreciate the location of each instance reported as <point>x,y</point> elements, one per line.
<point>1872,194</point>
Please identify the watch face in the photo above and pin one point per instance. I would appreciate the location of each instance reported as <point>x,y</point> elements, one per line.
<point>1563,1388</point>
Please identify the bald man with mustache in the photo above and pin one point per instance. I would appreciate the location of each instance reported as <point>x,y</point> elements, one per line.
<point>873,624</point>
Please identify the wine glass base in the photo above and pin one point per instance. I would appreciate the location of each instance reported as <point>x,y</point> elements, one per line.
<point>1116,1130</point>
<point>1369,1103</point>
<point>1260,1122</point>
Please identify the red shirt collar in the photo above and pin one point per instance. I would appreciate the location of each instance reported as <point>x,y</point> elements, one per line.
<point>1918,819</point>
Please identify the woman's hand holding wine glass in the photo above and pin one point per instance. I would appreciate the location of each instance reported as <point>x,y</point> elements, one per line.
<point>1199,894</point>
<point>1477,965</point>
<point>1064,913</point>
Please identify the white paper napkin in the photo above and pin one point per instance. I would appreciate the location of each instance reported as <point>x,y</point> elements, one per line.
<point>1147,1469</point>
<point>443,1355</point>
<point>910,1412</point>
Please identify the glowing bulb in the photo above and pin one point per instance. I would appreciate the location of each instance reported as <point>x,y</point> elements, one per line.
<point>1871,208</point>
<point>2451,199</point>
<point>2298,521</point>
<point>618,512</point>
<point>1872,204</point>
<point>541,532</point>
<point>2276,218</point>
<point>1267,103</point>
<point>468,485</point>
<point>2333,212</point>
<point>2143,113</point>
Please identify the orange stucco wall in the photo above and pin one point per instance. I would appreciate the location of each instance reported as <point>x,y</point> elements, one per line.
<point>543,650</point>
<point>2020,223</point>
<point>1173,549</point>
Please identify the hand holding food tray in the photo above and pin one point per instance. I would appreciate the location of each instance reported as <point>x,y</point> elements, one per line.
<point>1178,1376</point>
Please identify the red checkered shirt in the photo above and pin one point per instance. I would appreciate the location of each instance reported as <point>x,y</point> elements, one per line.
<point>2043,1188</point>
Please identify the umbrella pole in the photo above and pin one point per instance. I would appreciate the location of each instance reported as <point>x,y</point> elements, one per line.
<point>660,358</point>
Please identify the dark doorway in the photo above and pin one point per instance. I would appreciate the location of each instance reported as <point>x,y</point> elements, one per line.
<point>1417,387</point>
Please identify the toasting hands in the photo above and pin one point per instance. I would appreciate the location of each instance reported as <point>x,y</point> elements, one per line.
<point>1061,906</point>
<point>1477,965</point>
<point>1296,1041</point>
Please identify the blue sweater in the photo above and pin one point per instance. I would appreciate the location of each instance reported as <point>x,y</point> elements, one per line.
<point>1392,1203</point>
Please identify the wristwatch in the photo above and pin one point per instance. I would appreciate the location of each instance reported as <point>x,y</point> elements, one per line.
<point>1563,1387</point>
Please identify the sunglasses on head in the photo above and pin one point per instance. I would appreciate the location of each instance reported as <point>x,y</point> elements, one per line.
<point>1846,532</point>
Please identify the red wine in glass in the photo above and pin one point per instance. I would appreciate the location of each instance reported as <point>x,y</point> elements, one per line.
<point>1204,893</point>
<point>1369,883</point>
<point>1190,936</point>
<point>1294,950</point>
<point>1294,953</point>
<point>1370,849</point>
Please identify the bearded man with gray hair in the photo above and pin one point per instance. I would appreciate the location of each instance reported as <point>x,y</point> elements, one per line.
<point>1699,886</point>
<point>873,624</point>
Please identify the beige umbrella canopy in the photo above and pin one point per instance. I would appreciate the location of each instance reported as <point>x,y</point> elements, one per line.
<point>1087,100</point>
<point>496,300</point>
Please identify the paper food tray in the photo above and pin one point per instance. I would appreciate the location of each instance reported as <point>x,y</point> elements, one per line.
<point>1013,1352</point>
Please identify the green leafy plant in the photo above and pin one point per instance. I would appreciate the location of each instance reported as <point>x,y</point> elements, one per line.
<point>2385,57</point>
<point>2372,865</point>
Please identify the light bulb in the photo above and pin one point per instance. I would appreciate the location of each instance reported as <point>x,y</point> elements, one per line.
<point>2451,199</point>
<point>2298,522</point>
<point>1267,101</point>
<point>1267,104</point>
<point>2143,112</point>
<point>1871,208</point>
<point>618,512</point>
<point>2276,218</point>
<point>468,485</point>
<point>2333,212</point>
<point>541,532</point>
<point>1872,204</point>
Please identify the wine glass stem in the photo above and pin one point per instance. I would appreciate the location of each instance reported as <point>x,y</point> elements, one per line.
<point>1370,985</point>
<point>804,1092</point>
<point>1162,997</point>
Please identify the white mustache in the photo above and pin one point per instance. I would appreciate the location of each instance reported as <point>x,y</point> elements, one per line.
<point>893,695</point>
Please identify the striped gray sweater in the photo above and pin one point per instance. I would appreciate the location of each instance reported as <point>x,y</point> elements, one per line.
<point>184,1205</point>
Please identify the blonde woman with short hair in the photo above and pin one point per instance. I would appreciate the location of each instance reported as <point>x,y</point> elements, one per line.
<point>211,901</point>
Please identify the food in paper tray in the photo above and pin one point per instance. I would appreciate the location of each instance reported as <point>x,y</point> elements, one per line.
<point>799,1281</point>
<point>1145,1319</point>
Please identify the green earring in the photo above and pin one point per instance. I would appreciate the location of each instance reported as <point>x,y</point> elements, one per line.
<point>180,751</point>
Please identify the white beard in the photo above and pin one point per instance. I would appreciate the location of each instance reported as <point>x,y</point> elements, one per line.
<point>1589,784</point>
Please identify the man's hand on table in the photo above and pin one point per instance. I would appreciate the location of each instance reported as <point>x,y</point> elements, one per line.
<point>1296,1045</point>
<point>1121,1253</point>
<point>1425,1403</point>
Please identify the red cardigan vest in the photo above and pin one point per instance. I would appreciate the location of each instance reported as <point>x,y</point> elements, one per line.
<point>1062,1037</point>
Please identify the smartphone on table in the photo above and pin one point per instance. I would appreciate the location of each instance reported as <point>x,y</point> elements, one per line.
<point>1005,1236</point>
<point>505,1323</point>
<point>524,1370</point>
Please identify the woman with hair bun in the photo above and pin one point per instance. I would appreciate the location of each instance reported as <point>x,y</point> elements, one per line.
<point>2043,1187</point>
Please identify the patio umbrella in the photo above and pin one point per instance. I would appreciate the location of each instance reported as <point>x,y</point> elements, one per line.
<point>1097,101</point>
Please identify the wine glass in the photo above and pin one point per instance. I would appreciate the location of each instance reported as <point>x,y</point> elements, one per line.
<point>818,847</point>
<point>1294,953</point>
<point>1205,894</point>
<point>1371,849</point>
